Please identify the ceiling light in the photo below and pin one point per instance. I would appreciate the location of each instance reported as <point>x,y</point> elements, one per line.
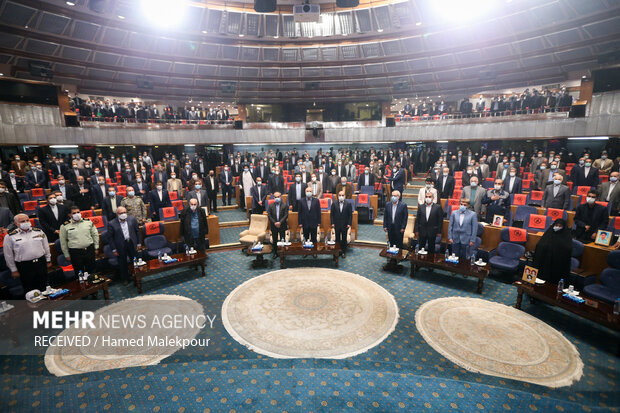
<point>590,138</point>
<point>463,10</point>
<point>241,34</point>
<point>442,141</point>
<point>70,3</point>
<point>121,17</point>
<point>418,24</point>
<point>1,74</point>
<point>204,32</point>
<point>379,30</point>
<point>163,13</point>
<point>26,26</point>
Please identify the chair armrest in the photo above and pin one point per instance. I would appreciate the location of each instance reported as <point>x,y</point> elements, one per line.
<point>244,233</point>
<point>261,236</point>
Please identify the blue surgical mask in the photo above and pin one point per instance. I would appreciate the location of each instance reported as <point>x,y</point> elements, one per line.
<point>462,208</point>
<point>278,200</point>
<point>557,181</point>
<point>112,193</point>
<point>588,164</point>
<point>197,186</point>
<point>394,199</point>
<point>613,179</point>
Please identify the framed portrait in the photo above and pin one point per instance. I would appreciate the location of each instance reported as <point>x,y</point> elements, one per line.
<point>498,220</point>
<point>529,274</point>
<point>603,238</point>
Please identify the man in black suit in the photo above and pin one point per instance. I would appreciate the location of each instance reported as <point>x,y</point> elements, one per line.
<point>276,182</point>
<point>81,195</point>
<point>513,184</point>
<point>259,195</point>
<point>127,177</point>
<point>226,179</point>
<point>36,178</point>
<point>199,194</point>
<point>309,215</point>
<point>341,218</point>
<point>589,218</point>
<point>277,212</point>
<point>73,173</point>
<point>14,183</point>
<point>124,239</point>
<point>51,217</point>
<point>296,192</point>
<point>586,176</point>
<point>57,168</point>
<point>194,237</point>
<point>445,184</point>
<point>213,187</point>
<point>99,190</point>
<point>140,187</point>
<point>428,223</point>
<point>395,219</point>
<point>158,198</point>
<point>110,204</point>
<point>366,179</point>
<point>262,170</point>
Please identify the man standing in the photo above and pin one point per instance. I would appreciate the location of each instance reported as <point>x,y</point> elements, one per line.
<point>398,179</point>
<point>226,179</point>
<point>277,212</point>
<point>82,196</point>
<point>199,194</point>
<point>35,178</point>
<point>395,220</point>
<point>589,218</point>
<point>79,240</point>
<point>586,176</point>
<point>259,196</point>
<point>8,200</point>
<point>428,223</point>
<point>213,188</point>
<point>158,199</point>
<point>110,204</point>
<point>556,195</point>
<point>610,191</point>
<point>366,179</point>
<point>135,206</point>
<point>296,192</point>
<point>124,239</point>
<point>52,216</point>
<point>276,182</point>
<point>497,201</point>
<point>513,183</point>
<point>309,215</point>
<point>445,184</point>
<point>341,218</point>
<point>475,193</point>
<point>462,231</point>
<point>194,226</point>
<point>27,254</point>
<point>315,185</point>
<point>345,187</point>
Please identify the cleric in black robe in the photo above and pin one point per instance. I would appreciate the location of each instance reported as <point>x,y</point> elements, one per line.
<point>553,253</point>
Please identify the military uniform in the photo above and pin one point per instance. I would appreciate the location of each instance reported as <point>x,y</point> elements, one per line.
<point>136,208</point>
<point>28,253</point>
<point>79,240</point>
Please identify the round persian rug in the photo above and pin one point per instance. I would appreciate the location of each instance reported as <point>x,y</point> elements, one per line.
<point>309,313</point>
<point>494,339</point>
<point>117,350</point>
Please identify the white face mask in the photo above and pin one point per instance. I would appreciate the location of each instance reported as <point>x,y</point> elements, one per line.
<point>590,200</point>
<point>308,194</point>
<point>429,201</point>
<point>2,190</point>
<point>52,201</point>
<point>498,187</point>
<point>341,198</point>
<point>123,216</point>
<point>25,226</point>
<point>512,173</point>
<point>159,187</point>
<point>473,184</point>
<point>556,228</point>
<point>193,207</point>
<point>314,179</point>
<point>138,180</point>
<point>77,216</point>
<point>333,172</point>
<point>130,193</point>
<point>297,178</point>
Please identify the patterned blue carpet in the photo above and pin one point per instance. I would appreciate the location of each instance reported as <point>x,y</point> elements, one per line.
<point>231,215</point>
<point>231,234</point>
<point>401,374</point>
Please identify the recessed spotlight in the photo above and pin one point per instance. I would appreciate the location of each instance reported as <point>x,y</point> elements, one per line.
<point>204,32</point>
<point>276,37</point>
<point>379,30</point>
<point>121,17</point>
<point>70,3</point>
<point>418,24</point>
<point>26,26</point>
<point>241,34</point>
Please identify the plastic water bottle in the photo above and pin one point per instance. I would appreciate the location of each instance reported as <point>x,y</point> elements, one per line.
<point>561,286</point>
<point>617,306</point>
<point>159,255</point>
<point>81,276</point>
<point>472,260</point>
<point>417,249</point>
<point>447,255</point>
<point>135,262</point>
<point>186,250</point>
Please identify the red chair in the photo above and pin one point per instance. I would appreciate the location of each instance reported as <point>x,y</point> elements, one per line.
<point>537,222</point>
<point>100,222</point>
<point>458,175</point>
<point>582,190</point>
<point>519,199</point>
<point>526,183</point>
<point>325,203</point>
<point>173,195</point>
<point>87,213</point>
<point>456,194</point>
<point>555,213</point>
<point>168,214</point>
<point>30,207</point>
<point>535,197</point>
<point>37,194</point>
<point>178,204</point>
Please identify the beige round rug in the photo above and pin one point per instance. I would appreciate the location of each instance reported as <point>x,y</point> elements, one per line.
<point>111,346</point>
<point>309,312</point>
<point>494,339</point>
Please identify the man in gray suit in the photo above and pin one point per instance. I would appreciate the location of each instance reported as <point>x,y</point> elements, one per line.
<point>6,217</point>
<point>474,193</point>
<point>556,195</point>
<point>199,194</point>
<point>610,191</point>
<point>462,231</point>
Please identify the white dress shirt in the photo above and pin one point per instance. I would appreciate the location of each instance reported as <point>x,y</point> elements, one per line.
<point>125,229</point>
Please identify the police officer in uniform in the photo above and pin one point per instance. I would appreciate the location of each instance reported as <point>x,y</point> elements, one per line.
<point>27,254</point>
<point>79,240</point>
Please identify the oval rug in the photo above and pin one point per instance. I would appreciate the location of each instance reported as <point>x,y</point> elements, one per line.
<point>309,313</point>
<point>73,359</point>
<point>494,339</point>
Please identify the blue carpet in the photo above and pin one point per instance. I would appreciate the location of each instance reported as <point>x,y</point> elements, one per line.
<point>231,215</point>
<point>401,374</point>
<point>369,232</point>
<point>230,234</point>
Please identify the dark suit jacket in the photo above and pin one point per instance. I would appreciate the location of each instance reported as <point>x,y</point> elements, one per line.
<point>106,208</point>
<point>255,197</point>
<point>116,238</point>
<point>516,187</point>
<point>186,223</point>
<point>340,220</point>
<point>447,190</point>
<point>580,178</point>
<point>71,176</point>
<point>292,194</point>
<point>163,178</point>
<point>433,226</point>
<point>275,184</point>
<point>223,181</point>
<point>211,191</point>
<point>262,171</point>
<point>204,199</point>
<point>97,195</point>
<point>156,203</point>
<point>54,169</point>
<point>48,221</point>
<point>84,201</point>
<point>19,183</point>
<point>600,218</point>
<point>41,179</point>
<point>309,218</point>
<point>398,180</point>
<point>271,214</point>
<point>362,179</point>
<point>400,219</point>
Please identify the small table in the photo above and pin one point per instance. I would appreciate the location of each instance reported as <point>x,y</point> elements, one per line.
<point>79,289</point>
<point>153,267</point>
<point>260,259</point>
<point>438,261</point>
<point>600,312</point>
<point>394,260</point>
<point>320,248</point>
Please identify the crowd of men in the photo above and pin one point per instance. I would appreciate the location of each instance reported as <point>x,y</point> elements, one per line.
<point>526,102</point>
<point>141,112</point>
<point>82,182</point>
